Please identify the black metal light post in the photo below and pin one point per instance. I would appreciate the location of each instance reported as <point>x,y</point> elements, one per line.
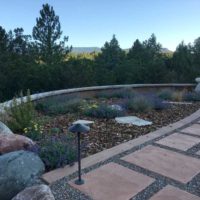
<point>79,128</point>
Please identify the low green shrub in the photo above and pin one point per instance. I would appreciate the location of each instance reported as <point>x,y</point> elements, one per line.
<point>138,104</point>
<point>102,111</point>
<point>191,96</point>
<point>54,108</point>
<point>165,94</point>
<point>20,113</point>
<point>158,104</point>
<point>56,152</point>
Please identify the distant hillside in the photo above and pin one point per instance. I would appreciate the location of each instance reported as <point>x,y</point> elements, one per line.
<point>97,49</point>
<point>85,49</point>
<point>165,50</point>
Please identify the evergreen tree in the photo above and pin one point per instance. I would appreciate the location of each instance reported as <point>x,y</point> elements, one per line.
<point>182,63</point>
<point>3,40</point>
<point>111,54</point>
<point>47,33</point>
<point>107,61</point>
<point>196,52</point>
<point>136,51</point>
<point>153,48</point>
<point>20,43</point>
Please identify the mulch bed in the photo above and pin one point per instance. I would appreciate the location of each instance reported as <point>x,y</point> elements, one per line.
<point>105,133</point>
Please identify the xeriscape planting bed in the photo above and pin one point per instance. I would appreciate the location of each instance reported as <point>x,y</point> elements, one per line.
<point>106,133</point>
<point>58,113</point>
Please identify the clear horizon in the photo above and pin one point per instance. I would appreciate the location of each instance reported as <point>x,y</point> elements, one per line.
<point>91,23</point>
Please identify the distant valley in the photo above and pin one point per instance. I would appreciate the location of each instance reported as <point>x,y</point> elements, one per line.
<point>97,49</point>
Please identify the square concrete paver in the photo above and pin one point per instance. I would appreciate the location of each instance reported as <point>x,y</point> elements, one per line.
<point>113,181</point>
<point>193,129</point>
<point>172,193</point>
<point>179,141</point>
<point>165,162</point>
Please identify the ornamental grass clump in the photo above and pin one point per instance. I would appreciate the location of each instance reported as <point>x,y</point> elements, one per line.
<point>165,94</point>
<point>138,104</point>
<point>51,107</point>
<point>102,111</point>
<point>178,96</point>
<point>20,113</point>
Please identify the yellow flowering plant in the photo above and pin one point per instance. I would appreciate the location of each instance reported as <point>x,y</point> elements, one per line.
<point>89,106</point>
<point>34,131</point>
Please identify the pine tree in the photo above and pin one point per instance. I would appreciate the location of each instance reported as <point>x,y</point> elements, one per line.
<point>136,51</point>
<point>107,61</point>
<point>47,33</point>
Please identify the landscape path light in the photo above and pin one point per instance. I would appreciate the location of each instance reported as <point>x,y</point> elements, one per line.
<point>79,128</point>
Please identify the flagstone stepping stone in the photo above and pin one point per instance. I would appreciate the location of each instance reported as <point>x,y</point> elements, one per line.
<point>132,120</point>
<point>82,121</point>
<point>172,193</point>
<point>113,181</point>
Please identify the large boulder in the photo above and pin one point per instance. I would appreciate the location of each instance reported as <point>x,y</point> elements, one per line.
<point>39,192</point>
<point>18,170</point>
<point>14,142</point>
<point>4,129</point>
<point>197,88</point>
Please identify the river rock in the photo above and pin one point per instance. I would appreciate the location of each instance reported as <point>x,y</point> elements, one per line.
<point>4,129</point>
<point>39,192</point>
<point>14,142</point>
<point>18,170</point>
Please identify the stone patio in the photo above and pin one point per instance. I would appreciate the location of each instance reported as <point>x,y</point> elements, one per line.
<point>113,181</point>
<point>165,166</point>
<point>165,162</point>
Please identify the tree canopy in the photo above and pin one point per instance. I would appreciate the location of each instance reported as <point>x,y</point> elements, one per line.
<point>47,35</point>
<point>42,62</point>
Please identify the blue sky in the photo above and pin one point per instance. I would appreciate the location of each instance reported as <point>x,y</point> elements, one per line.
<point>92,22</point>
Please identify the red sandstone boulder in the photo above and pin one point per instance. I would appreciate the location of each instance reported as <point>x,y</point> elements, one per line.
<point>14,142</point>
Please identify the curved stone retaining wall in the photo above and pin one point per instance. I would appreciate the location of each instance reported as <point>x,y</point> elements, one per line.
<point>90,91</point>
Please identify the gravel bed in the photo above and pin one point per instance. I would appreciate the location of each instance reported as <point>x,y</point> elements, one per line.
<point>105,134</point>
